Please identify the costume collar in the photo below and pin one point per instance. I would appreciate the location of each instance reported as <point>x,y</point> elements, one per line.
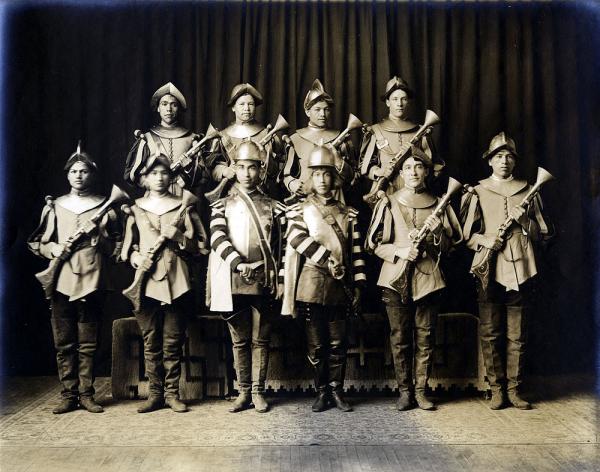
<point>397,126</point>
<point>245,130</point>
<point>79,204</point>
<point>325,200</point>
<point>170,133</point>
<point>159,205</point>
<point>506,188</point>
<point>314,135</point>
<point>412,198</point>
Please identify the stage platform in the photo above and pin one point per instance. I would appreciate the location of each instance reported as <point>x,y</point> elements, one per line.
<point>560,434</point>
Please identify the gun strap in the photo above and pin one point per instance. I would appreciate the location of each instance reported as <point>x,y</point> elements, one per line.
<point>270,275</point>
<point>331,221</point>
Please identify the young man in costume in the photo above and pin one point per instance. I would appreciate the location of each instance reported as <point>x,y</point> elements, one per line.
<point>78,289</point>
<point>504,304</point>
<point>164,295</point>
<point>395,224</point>
<point>393,134</point>
<point>243,101</point>
<point>246,240</point>
<point>168,138</point>
<point>317,106</point>
<point>324,274</point>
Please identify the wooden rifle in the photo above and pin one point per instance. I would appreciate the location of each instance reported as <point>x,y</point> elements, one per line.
<point>135,290</point>
<point>395,164</point>
<point>48,277</point>
<point>484,268</point>
<point>402,282</point>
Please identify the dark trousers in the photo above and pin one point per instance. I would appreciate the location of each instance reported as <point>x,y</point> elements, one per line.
<point>503,334</point>
<point>75,332</point>
<point>326,328</point>
<point>163,330</point>
<point>412,328</point>
<point>250,328</point>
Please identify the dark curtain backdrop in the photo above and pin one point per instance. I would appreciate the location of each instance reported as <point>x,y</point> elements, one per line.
<point>529,69</point>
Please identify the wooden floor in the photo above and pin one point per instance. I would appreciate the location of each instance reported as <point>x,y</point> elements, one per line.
<point>560,434</point>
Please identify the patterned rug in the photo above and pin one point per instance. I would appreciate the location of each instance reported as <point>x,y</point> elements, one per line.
<point>27,420</point>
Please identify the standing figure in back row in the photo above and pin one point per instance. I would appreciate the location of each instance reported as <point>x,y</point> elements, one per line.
<point>168,138</point>
<point>393,134</point>
<point>317,106</point>
<point>324,275</point>
<point>395,225</point>
<point>246,238</point>
<point>504,303</point>
<point>243,101</point>
<point>77,291</point>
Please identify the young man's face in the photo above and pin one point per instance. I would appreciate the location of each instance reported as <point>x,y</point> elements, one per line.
<point>414,173</point>
<point>79,176</point>
<point>502,164</point>
<point>318,114</point>
<point>168,109</point>
<point>159,178</point>
<point>247,174</point>
<point>397,102</point>
<point>244,109</point>
<point>322,178</point>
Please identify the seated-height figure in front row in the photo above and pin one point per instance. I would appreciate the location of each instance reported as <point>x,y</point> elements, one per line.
<point>161,232</point>
<point>504,303</point>
<point>412,307</point>
<point>168,138</point>
<point>77,290</point>
<point>324,275</point>
<point>317,106</point>
<point>393,134</point>
<point>246,237</point>
<point>243,101</point>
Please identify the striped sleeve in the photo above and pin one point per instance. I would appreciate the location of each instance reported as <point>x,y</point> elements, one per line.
<point>357,257</point>
<point>301,241</point>
<point>219,240</point>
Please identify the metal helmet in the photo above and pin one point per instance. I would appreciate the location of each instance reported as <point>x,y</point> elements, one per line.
<point>322,156</point>
<point>316,94</point>
<point>396,83</point>
<point>499,142</point>
<point>81,156</point>
<point>249,150</point>
<point>244,89</point>
<point>168,89</point>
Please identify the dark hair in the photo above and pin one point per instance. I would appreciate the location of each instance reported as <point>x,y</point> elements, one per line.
<point>337,180</point>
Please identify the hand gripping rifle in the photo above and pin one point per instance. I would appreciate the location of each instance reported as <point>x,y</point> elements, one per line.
<point>183,161</point>
<point>402,282</point>
<point>134,291</point>
<point>223,186</point>
<point>483,270</point>
<point>48,277</point>
<point>394,165</point>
